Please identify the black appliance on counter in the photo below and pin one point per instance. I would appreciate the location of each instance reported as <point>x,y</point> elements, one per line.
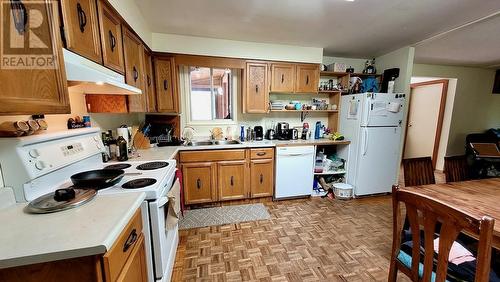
<point>259,133</point>
<point>481,166</point>
<point>283,129</point>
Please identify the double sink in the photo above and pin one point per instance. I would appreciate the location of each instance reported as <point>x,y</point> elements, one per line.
<point>212,143</point>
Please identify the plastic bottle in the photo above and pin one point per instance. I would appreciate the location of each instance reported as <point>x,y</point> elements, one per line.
<point>317,130</point>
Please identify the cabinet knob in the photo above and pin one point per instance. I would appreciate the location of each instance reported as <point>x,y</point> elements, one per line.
<point>165,84</point>
<point>135,73</point>
<point>261,178</point>
<point>132,238</point>
<point>282,78</point>
<point>198,183</point>
<point>232,180</point>
<point>112,41</point>
<point>307,79</point>
<point>256,88</point>
<point>260,154</point>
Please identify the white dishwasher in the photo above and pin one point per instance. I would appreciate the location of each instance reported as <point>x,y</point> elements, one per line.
<point>294,171</point>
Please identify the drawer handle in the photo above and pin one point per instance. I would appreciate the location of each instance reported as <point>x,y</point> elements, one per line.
<point>148,79</point>
<point>198,183</point>
<point>282,78</point>
<point>261,178</point>
<point>82,17</point>
<point>112,41</point>
<point>260,154</point>
<point>307,79</point>
<point>165,84</point>
<point>232,180</point>
<point>132,238</point>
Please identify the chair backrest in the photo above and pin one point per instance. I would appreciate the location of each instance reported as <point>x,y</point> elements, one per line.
<point>418,171</point>
<point>456,168</point>
<point>423,214</point>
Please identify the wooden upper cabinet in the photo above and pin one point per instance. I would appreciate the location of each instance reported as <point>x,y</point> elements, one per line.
<point>111,37</point>
<point>256,94</point>
<point>134,70</point>
<point>149,85</point>
<point>81,28</point>
<point>307,78</point>
<point>166,92</point>
<point>32,91</point>
<point>282,78</point>
<point>231,180</point>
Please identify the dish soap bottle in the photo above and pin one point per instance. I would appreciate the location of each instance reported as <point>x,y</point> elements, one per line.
<point>121,149</point>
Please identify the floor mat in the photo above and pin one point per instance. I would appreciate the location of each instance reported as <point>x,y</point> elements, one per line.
<point>223,215</point>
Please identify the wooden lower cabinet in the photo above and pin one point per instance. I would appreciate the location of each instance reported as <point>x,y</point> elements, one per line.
<point>199,182</point>
<point>261,178</point>
<point>224,175</point>
<point>231,180</point>
<point>125,261</point>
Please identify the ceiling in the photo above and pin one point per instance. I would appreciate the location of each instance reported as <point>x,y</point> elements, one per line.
<point>359,28</point>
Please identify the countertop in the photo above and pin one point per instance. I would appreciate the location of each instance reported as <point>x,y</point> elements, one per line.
<point>158,153</point>
<point>90,229</point>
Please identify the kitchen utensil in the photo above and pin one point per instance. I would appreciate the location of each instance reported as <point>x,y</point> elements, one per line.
<point>282,132</point>
<point>97,179</point>
<point>270,134</point>
<point>294,134</point>
<point>55,201</point>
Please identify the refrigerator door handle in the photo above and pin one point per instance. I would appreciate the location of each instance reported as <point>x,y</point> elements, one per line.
<point>365,145</point>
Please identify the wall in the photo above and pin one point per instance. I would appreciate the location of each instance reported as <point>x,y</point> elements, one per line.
<point>234,49</point>
<point>475,108</point>
<point>402,59</point>
<point>77,103</point>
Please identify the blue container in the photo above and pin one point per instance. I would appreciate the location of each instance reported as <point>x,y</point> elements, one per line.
<point>317,131</point>
<point>242,134</point>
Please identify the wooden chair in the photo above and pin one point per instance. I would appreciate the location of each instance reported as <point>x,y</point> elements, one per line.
<point>418,171</point>
<point>456,169</point>
<point>423,214</point>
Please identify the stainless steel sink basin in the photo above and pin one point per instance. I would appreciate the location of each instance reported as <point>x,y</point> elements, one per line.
<point>210,143</point>
<point>200,143</point>
<point>227,142</point>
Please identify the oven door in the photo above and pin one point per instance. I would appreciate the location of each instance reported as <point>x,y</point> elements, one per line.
<point>164,241</point>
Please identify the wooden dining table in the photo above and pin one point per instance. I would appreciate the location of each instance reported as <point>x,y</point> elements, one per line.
<point>476,197</point>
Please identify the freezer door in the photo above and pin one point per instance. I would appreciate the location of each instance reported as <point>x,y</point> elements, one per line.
<point>378,160</point>
<point>382,109</point>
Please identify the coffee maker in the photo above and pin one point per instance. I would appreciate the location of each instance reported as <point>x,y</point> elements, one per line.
<point>259,133</point>
<point>283,131</point>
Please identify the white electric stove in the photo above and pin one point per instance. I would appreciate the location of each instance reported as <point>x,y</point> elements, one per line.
<point>37,165</point>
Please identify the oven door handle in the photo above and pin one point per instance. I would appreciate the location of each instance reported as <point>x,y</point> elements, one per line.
<point>162,201</point>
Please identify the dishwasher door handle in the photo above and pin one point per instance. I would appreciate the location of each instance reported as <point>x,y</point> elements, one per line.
<point>294,154</point>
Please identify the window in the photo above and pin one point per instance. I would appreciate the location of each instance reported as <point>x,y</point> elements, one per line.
<point>210,94</point>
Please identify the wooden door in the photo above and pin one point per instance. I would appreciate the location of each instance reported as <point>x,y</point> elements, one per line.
<point>282,78</point>
<point>261,178</point>
<point>111,37</point>
<point>134,67</point>
<point>34,90</point>
<point>307,78</point>
<point>149,85</point>
<point>256,95</point>
<point>81,29</point>
<point>199,182</point>
<point>135,269</point>
<point>166,92</point>
<point>231,180</point>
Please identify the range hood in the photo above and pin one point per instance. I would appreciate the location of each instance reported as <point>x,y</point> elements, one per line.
<point>92,78</point>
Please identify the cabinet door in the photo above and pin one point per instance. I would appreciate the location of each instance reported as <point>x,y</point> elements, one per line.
<point>166,93</point>
<point>261,178</point>
<point>231,180</point>
<point>307,80</point>
<point>111,36</point>
<point>199,182</point>
<point>34,90</point>
<point>256,98</point>
<point>149,85</point>
<point>134,66</point>
<point>81,29</point>
<point>282,78</point>
<point>135,269</point>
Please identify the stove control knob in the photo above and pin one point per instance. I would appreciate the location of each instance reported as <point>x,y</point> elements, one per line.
<point>40,165</point>
<point>34,153</point>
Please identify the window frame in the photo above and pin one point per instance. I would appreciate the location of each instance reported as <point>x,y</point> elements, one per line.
<point>185,89</point>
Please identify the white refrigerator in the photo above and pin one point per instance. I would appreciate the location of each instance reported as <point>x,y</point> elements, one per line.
<point>372,122</point>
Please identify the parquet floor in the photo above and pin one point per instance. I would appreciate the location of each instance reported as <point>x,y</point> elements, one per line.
<point>305,240</point>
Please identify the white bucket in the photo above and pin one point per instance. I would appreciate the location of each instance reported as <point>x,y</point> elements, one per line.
<point>343,191</point>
